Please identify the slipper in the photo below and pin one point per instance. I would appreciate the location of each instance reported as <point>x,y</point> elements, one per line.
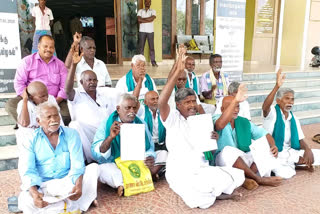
<point>316,138</point>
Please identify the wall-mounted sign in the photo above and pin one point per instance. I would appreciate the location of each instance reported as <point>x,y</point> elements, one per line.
<point>265,16</point>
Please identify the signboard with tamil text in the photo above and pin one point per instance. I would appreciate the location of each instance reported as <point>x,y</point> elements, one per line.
<point>10,52</point>
<point>229,37</point>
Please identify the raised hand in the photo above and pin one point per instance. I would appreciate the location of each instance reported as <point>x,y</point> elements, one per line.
<point>280,78</point>
<point>77,37</point>
<point>115,129</point>
<point>242,93</point>
<point>76,57</point>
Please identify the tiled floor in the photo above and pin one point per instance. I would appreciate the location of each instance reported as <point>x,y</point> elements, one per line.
<point>297,195</point>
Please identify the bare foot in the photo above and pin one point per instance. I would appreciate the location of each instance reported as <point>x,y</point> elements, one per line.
<point>236,196</point>
<point>95,203</point>
<point>270,181</point>
<point>120,191</point>
<point>250,184</point>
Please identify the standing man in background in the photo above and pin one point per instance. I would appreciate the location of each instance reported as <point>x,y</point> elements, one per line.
<point>42,21</point>
<point>145,19</point>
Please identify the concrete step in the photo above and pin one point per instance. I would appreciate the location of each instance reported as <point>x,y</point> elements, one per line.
<point>7,135</point>
<point>272,75</point>
<point>305,117</point>
<point>4,98</point>
<point>289,83</point>
<point>301,104</point>
<point>8,157</point>
<point>5,119</point>
<point>303,92</point>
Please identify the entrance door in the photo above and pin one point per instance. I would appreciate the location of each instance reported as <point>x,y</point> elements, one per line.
<point>264,47</point>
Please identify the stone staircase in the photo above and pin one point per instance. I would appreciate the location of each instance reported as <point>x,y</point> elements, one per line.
<point>306,108</point>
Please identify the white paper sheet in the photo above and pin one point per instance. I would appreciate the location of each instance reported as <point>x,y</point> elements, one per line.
<point>54,199</point>
<point>263,157</point>
<point>200,131</point>
<point>132,141</point>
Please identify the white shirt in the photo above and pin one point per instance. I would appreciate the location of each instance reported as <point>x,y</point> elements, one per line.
<point>146,27</point>
<point>182,157</point>
<point>269,121</point>
<point>191,80</point>
<point>155,122</point>
<point>122,86</point>
<point>42,21</point>
<point>32,111</point>
<point>57,27</point>
<point>244,110</point>
<point>99,68</point>
<point>87,111</point>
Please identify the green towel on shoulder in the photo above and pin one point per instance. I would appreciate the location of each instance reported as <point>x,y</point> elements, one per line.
<point>148,120</point>
<point>195,83</point>
<point>115,144</point>
<point>243,133</point>
<point>130,83</point>
<point>279,131</point>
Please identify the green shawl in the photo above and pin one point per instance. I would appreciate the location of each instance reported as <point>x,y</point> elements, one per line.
<point>148,120</point>
<point>279,131</point>
<point>243,133</point>
<point>115,144</point>
<point>130,83</point>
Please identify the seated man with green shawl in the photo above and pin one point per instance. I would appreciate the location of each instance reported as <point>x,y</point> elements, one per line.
<point>106,144</point>
<point>286,130</point>
<point>127,83</point>
<point>150,113</point>
<point>235,138</point>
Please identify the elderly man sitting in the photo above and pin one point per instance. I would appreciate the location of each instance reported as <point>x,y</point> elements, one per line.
<point>128,82</point>
<point>188,171</point>
<point>88,105</point>
<point>235,138</point>
<point>55,167</point>
<point>106,144</point>
<point>286,130</point>
<point>244,110</point>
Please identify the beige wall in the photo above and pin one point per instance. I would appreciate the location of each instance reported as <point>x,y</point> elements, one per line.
<point>313,36</point>
<point>292,34</point>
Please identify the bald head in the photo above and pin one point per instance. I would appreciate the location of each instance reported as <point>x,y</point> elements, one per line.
<point>38,92</point>
<point>151,100</point>
<point>190,64</point>
<point>182,80</point>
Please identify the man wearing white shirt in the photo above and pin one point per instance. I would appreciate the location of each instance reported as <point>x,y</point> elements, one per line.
<point>128,83</point>
<point>88,105</point>
<point>88,61</point>
<point>188,171</point>
<point>145,19</point>
<point>42,20</point>
<point>244,110</point>
<point>286,130</point>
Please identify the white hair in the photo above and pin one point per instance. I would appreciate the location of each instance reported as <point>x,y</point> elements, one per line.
<point>127,97</point>
<point>137,58</point>
<point>44,105</point>
<point>282,91</point>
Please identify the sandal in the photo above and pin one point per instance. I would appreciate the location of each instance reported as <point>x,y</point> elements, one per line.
<point>316,138</point>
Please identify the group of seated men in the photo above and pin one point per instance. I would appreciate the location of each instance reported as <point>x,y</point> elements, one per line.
<point>71,160</point>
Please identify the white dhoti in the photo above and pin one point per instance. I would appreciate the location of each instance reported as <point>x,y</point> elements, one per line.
<point>86,133</point>
<point>229,155</point>
<point>110,174</point>
<point>89,193</point>
<point>161,157</point>
<point>288,160</point>
<point>201,189</point>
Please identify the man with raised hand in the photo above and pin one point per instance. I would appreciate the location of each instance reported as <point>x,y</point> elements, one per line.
<point>129,82</point>
<point>286,130</point>
<point>235,138</point>
<point>89,105</point>
<point>188,171</point>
